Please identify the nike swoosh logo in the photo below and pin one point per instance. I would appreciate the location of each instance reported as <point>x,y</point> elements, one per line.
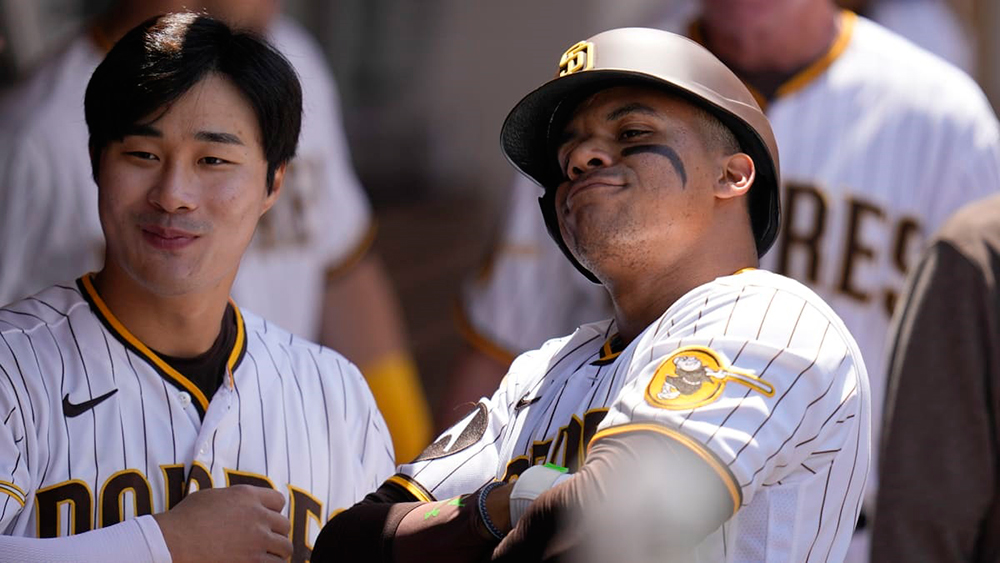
<point>525,402</point>
<point>71,410</point>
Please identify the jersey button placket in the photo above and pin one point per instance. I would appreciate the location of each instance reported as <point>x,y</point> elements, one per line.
<point>184,398</point>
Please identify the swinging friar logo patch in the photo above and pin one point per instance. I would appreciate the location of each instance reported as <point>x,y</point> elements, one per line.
<point>695,376</point>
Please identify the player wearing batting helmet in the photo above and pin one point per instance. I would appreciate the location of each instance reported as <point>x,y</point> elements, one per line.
<point>147,417</point>
<point>722,414</point>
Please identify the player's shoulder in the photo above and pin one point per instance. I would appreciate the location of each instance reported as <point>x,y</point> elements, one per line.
<point>263,333</point>
<point>289,37</point>
<point>879,62</point>
<point>561,351</point>
<point>974,230</point>
<point>295,355</point>
<point>49,100</point>
<point>752,304</point>
<point>302,50</point>
<point>49,307</point>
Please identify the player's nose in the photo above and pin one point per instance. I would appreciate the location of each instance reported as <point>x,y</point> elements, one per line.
<point>590,154</point>
<point>172,191</point>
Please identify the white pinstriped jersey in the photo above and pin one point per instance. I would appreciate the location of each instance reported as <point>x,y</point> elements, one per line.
<point>752,371</point>
<point>880,142</point>
<point>97,428</point>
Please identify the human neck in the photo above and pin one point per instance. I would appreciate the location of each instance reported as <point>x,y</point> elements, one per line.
<point>639,300</point>
<point>786,42</point>
<point>182,326</point>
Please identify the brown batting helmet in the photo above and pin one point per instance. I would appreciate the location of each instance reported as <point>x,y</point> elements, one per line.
<point>648,57</point>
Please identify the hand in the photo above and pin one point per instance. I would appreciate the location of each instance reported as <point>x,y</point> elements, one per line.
<point>238,523</point>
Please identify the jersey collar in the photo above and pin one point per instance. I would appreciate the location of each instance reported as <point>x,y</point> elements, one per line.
<point>804,77</point>
<point>177,379</point>
<point>610,350</point>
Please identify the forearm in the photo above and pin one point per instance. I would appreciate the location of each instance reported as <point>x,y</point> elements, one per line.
<point>138,540</point>
<point>626,496</point>
<point>379,529</point>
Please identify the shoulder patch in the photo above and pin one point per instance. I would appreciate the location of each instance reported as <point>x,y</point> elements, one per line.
<point>469,435</point>
<point>694,376</point>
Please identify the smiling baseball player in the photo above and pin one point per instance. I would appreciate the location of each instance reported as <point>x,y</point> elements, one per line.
<point>145,415</point>
<point>722,414</point>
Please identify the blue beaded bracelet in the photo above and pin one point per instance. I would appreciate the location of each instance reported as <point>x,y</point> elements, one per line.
<point>484,514</point>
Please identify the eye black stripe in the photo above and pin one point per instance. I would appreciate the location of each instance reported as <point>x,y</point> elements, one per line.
<point>661,150</point>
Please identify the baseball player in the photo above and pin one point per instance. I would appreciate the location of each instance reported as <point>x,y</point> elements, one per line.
<point>880,141</point>
<point>722,414</point>
<point>309,268</point>
<point>127,389</point>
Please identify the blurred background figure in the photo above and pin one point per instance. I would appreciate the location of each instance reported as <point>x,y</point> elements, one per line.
<point>879,142</point>
<point>934,25</point>
<point>939,495</point>
<point>309,268</point>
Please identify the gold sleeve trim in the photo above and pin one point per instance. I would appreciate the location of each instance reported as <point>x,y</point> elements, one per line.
<point>721,469</point>
<point>13,491</point>
<point>478,341</point>
<point>412,487</point>
<point>337,270</point>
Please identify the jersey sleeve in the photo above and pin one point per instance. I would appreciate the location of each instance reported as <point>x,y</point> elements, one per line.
<point>15,478</point>
<point>465,456</point>
<point>528,292</point>
<point>764,384</point>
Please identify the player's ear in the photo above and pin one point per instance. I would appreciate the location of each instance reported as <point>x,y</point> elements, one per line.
<point>276,183</point>
<point>736,175</point>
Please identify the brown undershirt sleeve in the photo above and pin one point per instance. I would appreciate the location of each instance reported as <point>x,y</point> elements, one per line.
<point>384,527</point>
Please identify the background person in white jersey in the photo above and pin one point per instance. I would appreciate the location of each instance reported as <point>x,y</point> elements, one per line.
<point>308,268</point>
<point>126,390</point>
<point>722,414</point>
<point>880,142</point>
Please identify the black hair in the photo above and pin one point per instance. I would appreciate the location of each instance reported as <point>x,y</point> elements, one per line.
<point>159,60</point>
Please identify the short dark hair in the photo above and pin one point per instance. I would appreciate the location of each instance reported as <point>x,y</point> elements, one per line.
<point>159,60</point>
<point>716,134</point>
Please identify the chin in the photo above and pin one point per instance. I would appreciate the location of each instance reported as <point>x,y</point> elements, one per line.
<point>167,280</point>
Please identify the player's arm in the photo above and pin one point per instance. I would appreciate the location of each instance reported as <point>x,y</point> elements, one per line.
<point>394,525</point>
<point>625,498</point>
<point>431,503</point>
<point>937,487</point>
<point>240,523</point>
